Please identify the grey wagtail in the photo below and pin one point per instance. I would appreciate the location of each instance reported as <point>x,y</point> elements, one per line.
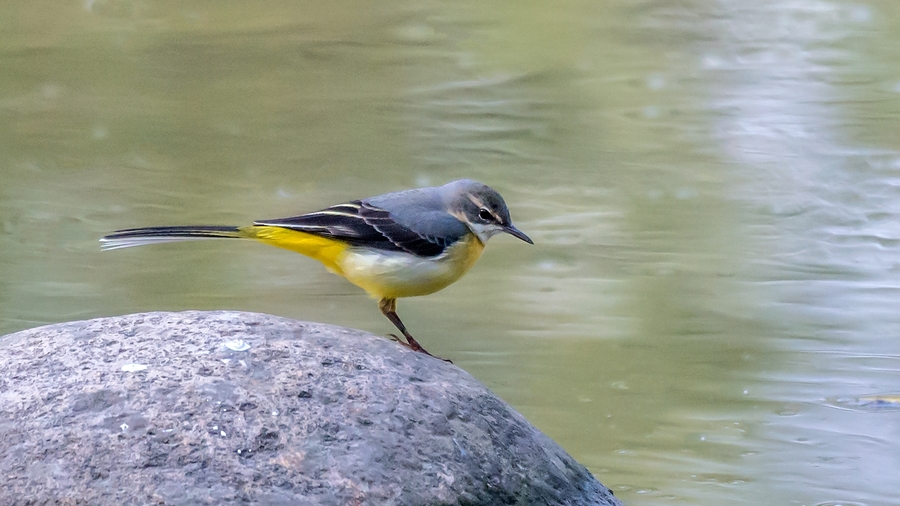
<point>402,244</point>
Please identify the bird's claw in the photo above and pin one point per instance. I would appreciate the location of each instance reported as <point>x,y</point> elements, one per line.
<point>417,348</point>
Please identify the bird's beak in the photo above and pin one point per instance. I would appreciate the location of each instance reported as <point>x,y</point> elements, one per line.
<point>518,234</point>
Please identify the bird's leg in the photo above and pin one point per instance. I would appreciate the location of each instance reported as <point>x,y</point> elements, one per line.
<point>388,308</point>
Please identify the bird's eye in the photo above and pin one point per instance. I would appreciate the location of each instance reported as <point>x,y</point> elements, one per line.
<point>485,215</point>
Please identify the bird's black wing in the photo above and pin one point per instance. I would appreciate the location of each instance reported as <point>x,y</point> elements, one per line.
<point>362,224</point>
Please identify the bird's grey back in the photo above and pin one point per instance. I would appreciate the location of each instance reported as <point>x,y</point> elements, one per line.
<point>423,211</point>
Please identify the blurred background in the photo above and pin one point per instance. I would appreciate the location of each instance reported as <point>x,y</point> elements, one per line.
<point>710,313</point>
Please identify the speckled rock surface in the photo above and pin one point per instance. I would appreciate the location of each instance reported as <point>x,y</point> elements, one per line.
<point>243,408</point>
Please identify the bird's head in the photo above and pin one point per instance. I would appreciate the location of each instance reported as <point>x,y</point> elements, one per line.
<point>481,208</point>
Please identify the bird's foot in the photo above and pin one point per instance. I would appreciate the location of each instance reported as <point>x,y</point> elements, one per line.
<point>415,346</point>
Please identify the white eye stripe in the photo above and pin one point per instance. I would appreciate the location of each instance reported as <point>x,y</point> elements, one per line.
<point>475,200</point>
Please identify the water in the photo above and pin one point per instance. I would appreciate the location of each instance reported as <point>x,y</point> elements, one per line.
<point>710,313</point>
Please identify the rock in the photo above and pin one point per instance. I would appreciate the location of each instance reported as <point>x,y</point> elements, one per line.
<point>228,407</point>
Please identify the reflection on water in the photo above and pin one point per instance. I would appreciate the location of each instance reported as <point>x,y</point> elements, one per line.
<point>784,111</point>
<point>709,314</point>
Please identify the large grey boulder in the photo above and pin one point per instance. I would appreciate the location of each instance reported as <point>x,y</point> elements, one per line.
<point>243,408</point>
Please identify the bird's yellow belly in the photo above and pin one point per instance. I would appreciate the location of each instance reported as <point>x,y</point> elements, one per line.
<point>393,274</point>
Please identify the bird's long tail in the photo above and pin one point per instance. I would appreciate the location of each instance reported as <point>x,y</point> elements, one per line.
<point>321,248</point>
<point>155,235</point>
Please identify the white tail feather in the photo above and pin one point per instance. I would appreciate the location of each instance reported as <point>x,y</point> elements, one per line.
<point>107,244</point>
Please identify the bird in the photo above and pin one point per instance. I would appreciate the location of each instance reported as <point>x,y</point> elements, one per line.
<point>402,244</point>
